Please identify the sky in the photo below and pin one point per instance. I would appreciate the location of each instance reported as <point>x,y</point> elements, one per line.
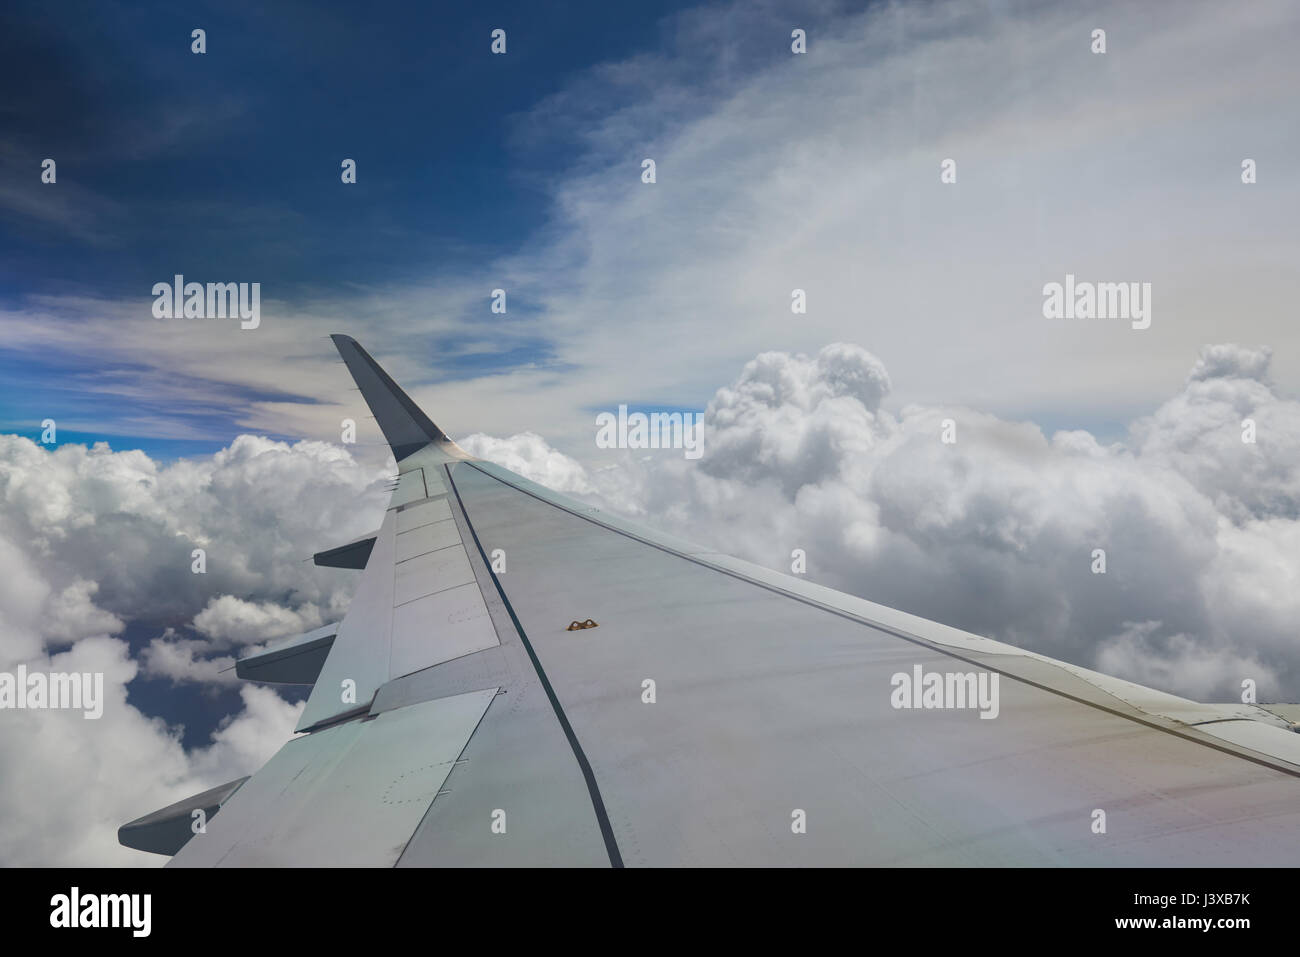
<point>775,171</point>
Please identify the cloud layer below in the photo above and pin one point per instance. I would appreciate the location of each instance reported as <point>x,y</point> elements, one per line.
<point>92,540</point>
<point>994,533</point>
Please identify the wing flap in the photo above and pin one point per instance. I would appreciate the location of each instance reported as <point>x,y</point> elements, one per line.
<point>350,795</point>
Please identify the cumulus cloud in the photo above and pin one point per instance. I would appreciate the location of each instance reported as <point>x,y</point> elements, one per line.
<point>69,783</point>
<point>994,533</point>
<point>1228,361</point>
<point>23,597</point>
<point>792,419</point>
<point>245,741</point>
<point>1141,653</point>
<point>527,453</point>
<point>1198,433</point>
<point>91,540</point>
<point>72,506</point>
<point>187,660</point>
<point>71,614</point>
<point>228,620</point>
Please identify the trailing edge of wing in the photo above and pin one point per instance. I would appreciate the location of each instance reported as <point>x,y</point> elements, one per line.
<point>404,424</point>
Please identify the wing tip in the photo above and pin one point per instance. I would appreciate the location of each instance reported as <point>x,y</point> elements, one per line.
<point>404,424</point>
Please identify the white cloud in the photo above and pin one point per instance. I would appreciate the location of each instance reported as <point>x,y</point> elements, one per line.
<point>23,594</point>
<point>993,534</point>
<point>69,783</point>
<point>247,740</point>
<point>106,539</point>
<point>1142,654</point>
<point>244,506</point>
<point>527,453</point>
<point>187,660</point>
<point>1230,362</point>
<point>228,620</point>
<point>1199,434</point>
<point>71,614</point>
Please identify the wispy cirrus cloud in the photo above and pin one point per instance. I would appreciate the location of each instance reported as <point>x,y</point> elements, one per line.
<point>818,172</point>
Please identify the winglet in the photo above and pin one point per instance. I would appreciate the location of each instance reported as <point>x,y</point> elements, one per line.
<point>404,424</point>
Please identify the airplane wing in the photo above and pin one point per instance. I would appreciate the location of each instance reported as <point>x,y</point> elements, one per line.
<point>522,679</point>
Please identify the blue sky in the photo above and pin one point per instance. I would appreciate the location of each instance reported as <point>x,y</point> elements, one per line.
<point>522,171</point>
<point>230,160</point>
<point>227,165</point>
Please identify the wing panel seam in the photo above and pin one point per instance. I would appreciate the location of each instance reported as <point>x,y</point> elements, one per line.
<point>593,789</point>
